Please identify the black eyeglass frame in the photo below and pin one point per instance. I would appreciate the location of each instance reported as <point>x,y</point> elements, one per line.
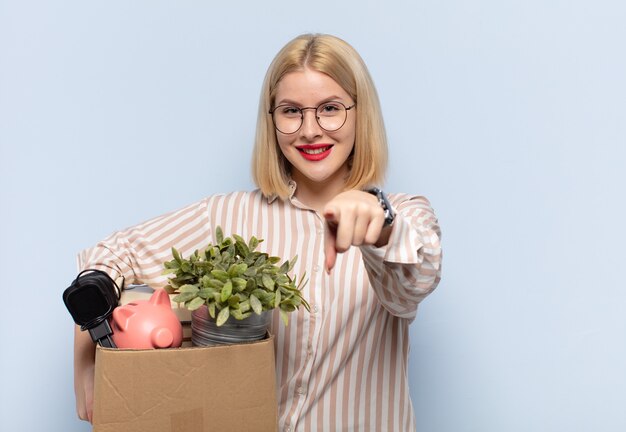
<point>317,119</point>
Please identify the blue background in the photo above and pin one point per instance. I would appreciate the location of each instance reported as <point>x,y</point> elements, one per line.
<point>509,115</point>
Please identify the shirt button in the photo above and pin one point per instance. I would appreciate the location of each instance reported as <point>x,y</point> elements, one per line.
<point>301,390</point>
<point>316,268</point>
<point>315,309</point>
<point>320,231</point>
<point>288,429</point>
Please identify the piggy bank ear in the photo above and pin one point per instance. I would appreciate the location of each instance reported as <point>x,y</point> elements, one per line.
<point>160,298</point>
<point>121,316</point>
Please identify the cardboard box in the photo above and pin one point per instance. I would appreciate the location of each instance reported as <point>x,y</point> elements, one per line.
<point>195,389</point>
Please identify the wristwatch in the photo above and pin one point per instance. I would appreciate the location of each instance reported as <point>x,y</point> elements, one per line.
<point>390,214</point>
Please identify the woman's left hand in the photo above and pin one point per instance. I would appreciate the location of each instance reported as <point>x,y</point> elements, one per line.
<point>353,218</point>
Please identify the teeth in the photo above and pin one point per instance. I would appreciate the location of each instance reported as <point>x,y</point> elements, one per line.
<point>315,151</point>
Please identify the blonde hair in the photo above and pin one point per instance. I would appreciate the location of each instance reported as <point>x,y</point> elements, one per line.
<point>337,59</point>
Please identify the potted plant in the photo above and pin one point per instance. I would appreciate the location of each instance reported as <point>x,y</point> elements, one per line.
<point>231,287</point>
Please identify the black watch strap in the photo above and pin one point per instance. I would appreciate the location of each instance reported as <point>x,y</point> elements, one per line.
<point>390,214</point>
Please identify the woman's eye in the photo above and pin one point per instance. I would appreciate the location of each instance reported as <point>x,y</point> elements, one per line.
<point>329,108</point>
<point>290,110</point>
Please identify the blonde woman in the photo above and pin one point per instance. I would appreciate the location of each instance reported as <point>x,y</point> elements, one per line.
<point>320,155</point>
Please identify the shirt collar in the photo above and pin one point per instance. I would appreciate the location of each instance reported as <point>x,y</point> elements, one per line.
<point>292,190</point>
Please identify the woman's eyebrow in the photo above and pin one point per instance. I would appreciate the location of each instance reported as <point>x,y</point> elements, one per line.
<point>287,101</point>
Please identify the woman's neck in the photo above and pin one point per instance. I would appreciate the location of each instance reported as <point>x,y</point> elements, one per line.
<point>316,194</point>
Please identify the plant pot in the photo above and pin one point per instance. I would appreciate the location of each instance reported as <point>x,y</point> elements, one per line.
<point>205,332</point>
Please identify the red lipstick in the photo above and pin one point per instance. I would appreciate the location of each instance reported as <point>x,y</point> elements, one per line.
<point>315,152</point>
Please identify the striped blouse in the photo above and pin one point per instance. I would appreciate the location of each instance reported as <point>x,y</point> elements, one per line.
<point>343,365</point>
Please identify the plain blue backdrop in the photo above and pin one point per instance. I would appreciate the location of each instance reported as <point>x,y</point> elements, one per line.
<point>509,115</point>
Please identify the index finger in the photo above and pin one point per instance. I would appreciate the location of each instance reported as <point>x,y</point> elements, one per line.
<point>330,237</point>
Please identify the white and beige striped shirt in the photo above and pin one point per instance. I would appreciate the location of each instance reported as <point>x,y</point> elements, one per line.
<point>343,366</point>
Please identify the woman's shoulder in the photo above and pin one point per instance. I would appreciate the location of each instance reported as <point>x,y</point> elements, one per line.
<point>398,198</point>
<point>234,199</point>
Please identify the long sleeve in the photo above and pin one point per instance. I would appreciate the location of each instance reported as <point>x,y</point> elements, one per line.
<point>138,253</point>
<point>408,268</point>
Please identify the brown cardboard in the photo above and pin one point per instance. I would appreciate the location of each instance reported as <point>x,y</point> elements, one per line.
<point>195,389</point>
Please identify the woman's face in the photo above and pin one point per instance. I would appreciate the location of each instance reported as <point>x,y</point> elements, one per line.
<point>317,157</point>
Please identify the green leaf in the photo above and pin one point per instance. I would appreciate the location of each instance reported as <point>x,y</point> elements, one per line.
<point>253,243</point>
<point>260,260</point>
<point>195,303</point>
<point>188,289</point>
<point>236,270</point>
<point>239,315</point>
<point>220,275</point>
<point>268,282</point>
<point>303,281</point>
<point>216,283</point>
<point>176,255</point>
<point>170,289</point>
<point>241,246</point>
<point>211,308</point>
<point>219,235</point>
<point>223,316</point>
<point>256,305</point>
<point>184,297</point>
<point>285,267</point>
<point>292,263</point>
<point>250,272</point>
<point>227,290</point>
<point>260,294</point>
<point>233,302</point>
<point>274,259</point>
<point>251,284</point>
<point>285,317</point>
<point>277,299</point>
<point>288,307</point>
<point>168,271</point>
<point>239,284</point>
<point>206,293</point>
<point>241,269</point>
<point>244,306</point>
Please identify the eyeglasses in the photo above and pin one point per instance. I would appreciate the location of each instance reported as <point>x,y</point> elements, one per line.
<point>331,116</point>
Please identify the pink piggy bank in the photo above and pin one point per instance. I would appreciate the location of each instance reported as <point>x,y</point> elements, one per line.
<point>147,323</point>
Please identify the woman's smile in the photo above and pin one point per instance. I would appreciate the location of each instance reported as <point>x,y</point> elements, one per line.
<point>315,152</point>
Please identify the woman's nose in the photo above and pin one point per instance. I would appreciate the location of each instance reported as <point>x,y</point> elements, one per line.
<point>310,127</point>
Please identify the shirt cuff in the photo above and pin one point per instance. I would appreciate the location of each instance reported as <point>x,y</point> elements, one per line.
<point>403,245</point>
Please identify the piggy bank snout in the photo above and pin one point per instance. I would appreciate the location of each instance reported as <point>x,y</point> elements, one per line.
<point>162,337</point>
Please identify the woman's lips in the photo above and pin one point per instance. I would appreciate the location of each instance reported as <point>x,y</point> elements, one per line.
<point>315,152</point>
